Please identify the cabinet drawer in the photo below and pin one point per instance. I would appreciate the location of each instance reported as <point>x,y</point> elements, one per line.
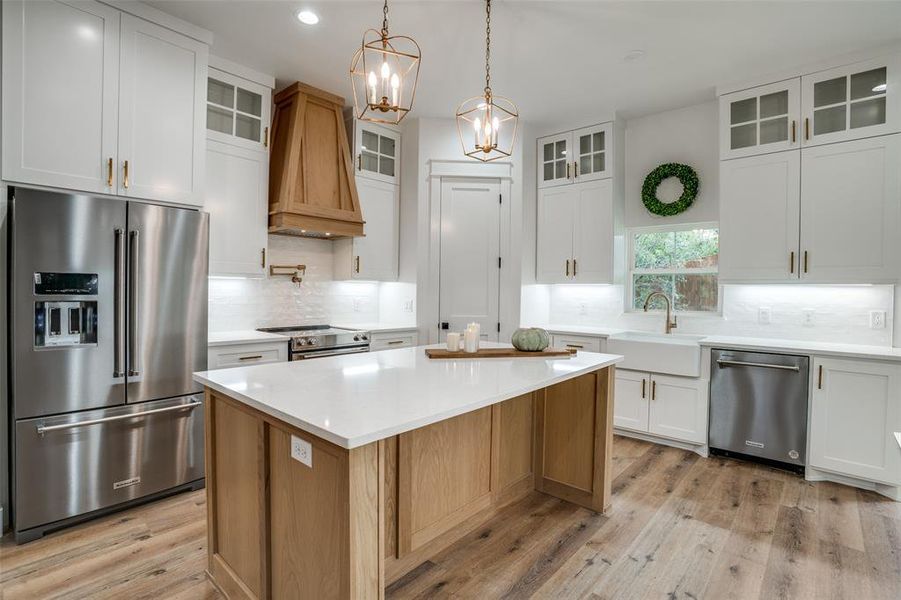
<point>242,355</point>
<point>389,341</point>
<point>579,342</point>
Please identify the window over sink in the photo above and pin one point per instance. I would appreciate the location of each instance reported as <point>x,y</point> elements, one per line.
<point>680,261</point>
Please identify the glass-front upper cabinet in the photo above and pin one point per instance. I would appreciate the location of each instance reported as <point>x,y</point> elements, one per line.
<point>575,156</point>
<point>376,151</point>
<point>237,110</point>
<point>851,102</point>
<point>760,120</point>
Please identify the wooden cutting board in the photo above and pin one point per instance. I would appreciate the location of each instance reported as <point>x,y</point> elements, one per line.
<point>500,353</point>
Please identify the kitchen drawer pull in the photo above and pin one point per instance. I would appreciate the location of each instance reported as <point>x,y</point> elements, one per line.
<point>42,429</point>
<point>254,357</point>
<point>737,363</point>
<point>395,342</point>
<point>575,346</point>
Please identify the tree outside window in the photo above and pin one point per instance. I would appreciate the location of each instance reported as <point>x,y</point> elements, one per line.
<point>681,263</point>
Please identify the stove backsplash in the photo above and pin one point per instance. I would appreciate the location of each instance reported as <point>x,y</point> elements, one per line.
<point>241,303</point>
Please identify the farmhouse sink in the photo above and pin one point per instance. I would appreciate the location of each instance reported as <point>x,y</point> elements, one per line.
<point>672,354</point>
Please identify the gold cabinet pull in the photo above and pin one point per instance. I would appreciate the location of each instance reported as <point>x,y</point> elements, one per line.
<point>643,385</point>
<point>791,263</point>
<point>805,261</point>
<point>567,267</point>
<point>653,390</point>
<point>568,165</point>
<point>360,162</point>
<point>125,175</point>
<point>574,267</point>
<point>576,346</point>
<point>254,357</point>
<point>806,128</point>
<point>109,172</point>
<point>266,138</point>
<point>263,258</point>
<point>820,378</point>
<point>794,126</point>
<point>357,264</point>
<point>575,169</point>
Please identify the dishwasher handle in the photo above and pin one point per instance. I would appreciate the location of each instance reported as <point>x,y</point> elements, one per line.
<point>738,363</point>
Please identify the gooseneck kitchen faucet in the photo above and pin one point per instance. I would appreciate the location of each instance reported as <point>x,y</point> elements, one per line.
<point>670,318</point>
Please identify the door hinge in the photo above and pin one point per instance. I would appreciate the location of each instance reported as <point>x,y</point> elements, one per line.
<point>498,262</point>
<point>498,327</point>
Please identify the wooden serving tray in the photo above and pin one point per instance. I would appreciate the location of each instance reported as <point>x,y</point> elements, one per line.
<point>500,353</point>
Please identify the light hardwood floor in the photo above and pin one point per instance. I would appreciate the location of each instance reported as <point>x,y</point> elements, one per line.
<point>680,527</point>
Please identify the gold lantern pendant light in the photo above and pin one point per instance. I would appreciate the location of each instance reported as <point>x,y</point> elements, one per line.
<point>487,123</point>
<point>384,73</point>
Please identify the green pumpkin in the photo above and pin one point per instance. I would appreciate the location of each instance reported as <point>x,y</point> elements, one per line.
<point>531,339</point>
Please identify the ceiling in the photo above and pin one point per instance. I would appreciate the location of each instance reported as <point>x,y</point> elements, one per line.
<point>561,60</point>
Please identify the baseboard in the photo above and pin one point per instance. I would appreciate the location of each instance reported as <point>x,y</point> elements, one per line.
<point>893,492</point>
<point>700,449</point>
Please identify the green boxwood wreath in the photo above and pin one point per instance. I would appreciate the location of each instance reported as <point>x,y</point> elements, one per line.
<point>686,175</point>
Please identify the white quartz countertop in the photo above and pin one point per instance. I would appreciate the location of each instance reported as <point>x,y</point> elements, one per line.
<point>377,327</point>
<point>247,336</point>
<point>584,330</point>
<point>356,399</point>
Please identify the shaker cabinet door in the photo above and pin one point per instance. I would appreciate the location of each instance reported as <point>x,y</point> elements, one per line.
<point>376,254</point>
<point>162,113</point>
<point>554,160</point>
<point>760,207</point>
<point>593,232</point>
<point>630,409</point>
<point>556,219</point>
<point>592,150</point>
<point>60,91</point>
<point>678,408</point>
<point>851,211</point>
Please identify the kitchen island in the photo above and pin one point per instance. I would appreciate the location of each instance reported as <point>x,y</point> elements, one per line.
<point>331,478</point>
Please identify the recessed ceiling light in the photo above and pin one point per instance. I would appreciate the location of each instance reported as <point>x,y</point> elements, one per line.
<point>634,55</point>
<point>307,17</point>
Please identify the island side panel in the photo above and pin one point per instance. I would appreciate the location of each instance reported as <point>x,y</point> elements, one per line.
<point>315,531</point>
<point>573,439</point>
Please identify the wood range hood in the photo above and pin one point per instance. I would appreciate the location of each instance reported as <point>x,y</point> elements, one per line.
<point>311,176</point>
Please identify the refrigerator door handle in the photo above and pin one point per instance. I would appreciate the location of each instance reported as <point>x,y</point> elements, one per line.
<point>118,307</point>
<point>134,281</point>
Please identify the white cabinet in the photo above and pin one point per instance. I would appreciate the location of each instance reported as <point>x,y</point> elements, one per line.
<point>243,355</point>
<point>853,101</point>
<point>662,405</point>
<point>854,411</point>
<point>760,211</point>
<point>237,171</point>
<point>102,101</point>
<point>376,151</point>
<point>576,226</point>
<point>575,156</point>
<point>578,342</point>
<point>391,340</point>
<point>851,211</point>
<point>760,120</point>
<point>236,198</point>
<point>60,94</point>
<point>374,256</point>
<point>825,214</point>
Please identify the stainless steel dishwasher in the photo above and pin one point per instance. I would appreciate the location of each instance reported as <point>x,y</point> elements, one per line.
<point>758,406</point>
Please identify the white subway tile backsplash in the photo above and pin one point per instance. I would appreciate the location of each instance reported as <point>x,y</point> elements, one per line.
<point>239,303</point>
<point>839,313</point>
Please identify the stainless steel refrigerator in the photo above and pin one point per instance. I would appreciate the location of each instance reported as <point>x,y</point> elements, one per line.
<point>108,320</point>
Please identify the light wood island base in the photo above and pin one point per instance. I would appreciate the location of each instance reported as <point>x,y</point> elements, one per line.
<point>359,519</point>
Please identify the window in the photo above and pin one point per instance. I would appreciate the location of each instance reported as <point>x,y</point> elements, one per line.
<point>682,263</point>
<point>232,110</point>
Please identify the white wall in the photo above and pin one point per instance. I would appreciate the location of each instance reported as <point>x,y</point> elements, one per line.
<point>841,313</point>
<point>686,135</point>
<point>240,303</point>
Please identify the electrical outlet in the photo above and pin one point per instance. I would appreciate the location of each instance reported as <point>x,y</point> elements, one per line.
<point>877,319</point>
<point>357,303</point>
<point>763,315</point>
<point>301,451</point>
<point>583,309</point>
<point>408,306</point>
<point>808,317</point>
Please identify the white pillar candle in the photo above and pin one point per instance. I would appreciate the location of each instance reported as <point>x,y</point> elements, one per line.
<point>470,340</point>
<point>453,341</point>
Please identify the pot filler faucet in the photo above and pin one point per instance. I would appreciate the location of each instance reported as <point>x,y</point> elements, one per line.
<point>670,318</point>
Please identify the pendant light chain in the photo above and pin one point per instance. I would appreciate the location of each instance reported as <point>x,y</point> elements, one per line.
<point>488,47</point>
<point>385,20</point>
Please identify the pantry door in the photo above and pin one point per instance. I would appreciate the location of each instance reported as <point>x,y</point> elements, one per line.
<point>470,251</point>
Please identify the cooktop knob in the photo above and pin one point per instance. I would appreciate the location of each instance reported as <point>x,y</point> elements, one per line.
<point>356,338</point>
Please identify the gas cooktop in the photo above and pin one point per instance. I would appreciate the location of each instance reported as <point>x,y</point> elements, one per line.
<point>308,341</point>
